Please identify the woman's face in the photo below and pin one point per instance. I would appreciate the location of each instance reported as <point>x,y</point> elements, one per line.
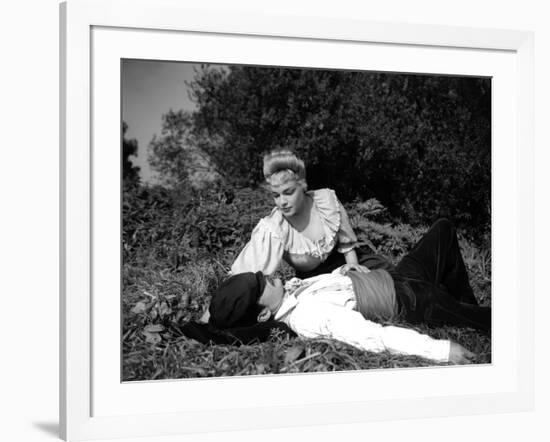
<point>289,196</point>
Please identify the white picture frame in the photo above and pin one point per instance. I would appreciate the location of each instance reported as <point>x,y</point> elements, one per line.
<point>89,408</point>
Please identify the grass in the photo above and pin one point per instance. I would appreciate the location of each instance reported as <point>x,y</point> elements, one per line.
<point>175,255</point>
<point>177,357</point>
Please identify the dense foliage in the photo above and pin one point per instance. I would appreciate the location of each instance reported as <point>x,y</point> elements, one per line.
<point>420,144</point>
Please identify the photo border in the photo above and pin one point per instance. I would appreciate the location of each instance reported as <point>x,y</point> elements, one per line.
<point>109,397</point>
<point>77,17</point>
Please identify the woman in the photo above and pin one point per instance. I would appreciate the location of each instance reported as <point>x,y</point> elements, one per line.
<point>310,230</point>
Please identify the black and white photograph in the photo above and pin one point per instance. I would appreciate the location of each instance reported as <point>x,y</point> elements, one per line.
<point>278,220</point>
<point>281,220</point>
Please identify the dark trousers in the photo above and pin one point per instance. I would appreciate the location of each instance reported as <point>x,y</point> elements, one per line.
<point>431,281</point>
<point>432,284</point>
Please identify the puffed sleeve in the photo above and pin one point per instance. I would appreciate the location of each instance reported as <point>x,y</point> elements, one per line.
<point>345,236</point>
<point>263,252</point>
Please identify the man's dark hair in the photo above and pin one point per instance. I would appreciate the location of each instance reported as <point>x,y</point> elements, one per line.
<point>235,302</point>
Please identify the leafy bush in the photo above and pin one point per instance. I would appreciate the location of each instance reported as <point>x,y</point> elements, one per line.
<point>421,144</point>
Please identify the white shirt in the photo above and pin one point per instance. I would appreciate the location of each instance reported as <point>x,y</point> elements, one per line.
<point>324,307</point>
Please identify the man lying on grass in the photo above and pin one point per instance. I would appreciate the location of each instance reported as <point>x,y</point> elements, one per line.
<point>430,284</point>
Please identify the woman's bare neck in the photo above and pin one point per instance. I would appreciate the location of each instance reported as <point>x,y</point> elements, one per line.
<point>307,222</point>
<point>301,220</point>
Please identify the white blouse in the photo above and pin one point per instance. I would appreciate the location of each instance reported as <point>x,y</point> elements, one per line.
<point>274,239</point>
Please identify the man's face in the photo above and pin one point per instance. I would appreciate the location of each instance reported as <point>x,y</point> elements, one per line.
<point>288,196</point>
<point>272,296</point>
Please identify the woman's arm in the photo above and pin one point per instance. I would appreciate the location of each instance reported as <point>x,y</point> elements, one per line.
<point>346,242</point>
<point>264,252</point>
<point>352,263</point>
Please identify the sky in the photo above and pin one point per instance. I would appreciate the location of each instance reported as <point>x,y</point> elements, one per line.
<point>149,89</point>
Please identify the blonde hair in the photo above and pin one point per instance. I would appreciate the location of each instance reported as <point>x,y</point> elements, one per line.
<point>281,166</point>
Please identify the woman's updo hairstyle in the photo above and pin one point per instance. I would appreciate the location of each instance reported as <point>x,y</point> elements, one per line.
<point>281,166</point>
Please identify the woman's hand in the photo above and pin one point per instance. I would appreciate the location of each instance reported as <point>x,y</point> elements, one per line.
<point>352,263</point>
<point>357,267</point>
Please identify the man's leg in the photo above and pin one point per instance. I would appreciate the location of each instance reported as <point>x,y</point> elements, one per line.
<point>436,258</point>
<point>435,306</point>
<point>432,285</point>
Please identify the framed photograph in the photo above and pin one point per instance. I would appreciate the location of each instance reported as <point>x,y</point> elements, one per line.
<point>150,228</point>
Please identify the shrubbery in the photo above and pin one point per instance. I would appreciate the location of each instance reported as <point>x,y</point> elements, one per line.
<point>420,144</point>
